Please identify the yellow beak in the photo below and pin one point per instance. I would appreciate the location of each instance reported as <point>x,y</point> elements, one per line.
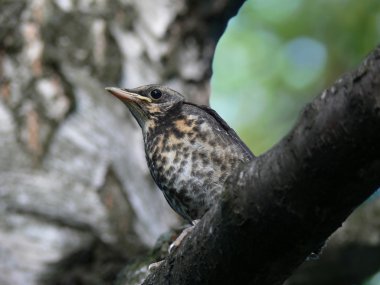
<point>125,95</point>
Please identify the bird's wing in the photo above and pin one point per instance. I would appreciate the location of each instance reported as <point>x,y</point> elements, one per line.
<point>226,127</point>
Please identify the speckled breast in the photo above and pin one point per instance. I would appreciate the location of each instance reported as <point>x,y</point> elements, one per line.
<point>190,158</point>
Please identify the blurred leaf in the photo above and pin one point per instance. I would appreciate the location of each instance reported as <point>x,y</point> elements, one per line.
<point>276,55</point>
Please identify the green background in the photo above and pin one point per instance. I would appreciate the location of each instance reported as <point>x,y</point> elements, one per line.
<point>276,55</point>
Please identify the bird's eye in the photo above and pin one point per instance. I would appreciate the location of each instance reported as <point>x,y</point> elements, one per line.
<point>156,94</point>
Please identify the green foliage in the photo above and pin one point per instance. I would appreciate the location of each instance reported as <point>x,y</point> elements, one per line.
<point>276,55</point>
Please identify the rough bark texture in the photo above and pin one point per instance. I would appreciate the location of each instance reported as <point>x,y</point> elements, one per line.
<point>351,255</point>
<point>287,202</point>
<point>73,177</point>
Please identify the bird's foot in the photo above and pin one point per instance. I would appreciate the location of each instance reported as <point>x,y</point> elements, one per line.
<point>152,267</point>
<point>184,233</point>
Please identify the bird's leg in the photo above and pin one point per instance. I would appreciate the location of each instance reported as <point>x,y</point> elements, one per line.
<point>184,233</point>
<point>152,267</point>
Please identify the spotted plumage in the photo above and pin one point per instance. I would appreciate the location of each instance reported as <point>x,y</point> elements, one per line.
<point>190,150</point>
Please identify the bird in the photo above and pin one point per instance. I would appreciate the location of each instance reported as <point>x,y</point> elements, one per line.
<point>190,150</point>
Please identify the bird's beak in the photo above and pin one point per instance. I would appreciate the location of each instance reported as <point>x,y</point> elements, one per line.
<point>127,95</point>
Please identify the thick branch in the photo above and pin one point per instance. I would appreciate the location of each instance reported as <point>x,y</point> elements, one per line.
<point>284,204</point>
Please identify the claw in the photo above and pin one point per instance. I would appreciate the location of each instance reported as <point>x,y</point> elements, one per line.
<point>152,267</point>
<point>179,239</point>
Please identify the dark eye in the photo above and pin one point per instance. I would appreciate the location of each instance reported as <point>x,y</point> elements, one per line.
<point>155,94</point>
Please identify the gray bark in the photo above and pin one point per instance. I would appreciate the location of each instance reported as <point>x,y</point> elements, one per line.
<point>72,171</point>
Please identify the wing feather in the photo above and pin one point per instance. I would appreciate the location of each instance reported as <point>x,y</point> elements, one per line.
<point>233,135</point>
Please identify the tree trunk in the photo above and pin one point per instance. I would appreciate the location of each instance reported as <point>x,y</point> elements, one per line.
<point>73,175</point>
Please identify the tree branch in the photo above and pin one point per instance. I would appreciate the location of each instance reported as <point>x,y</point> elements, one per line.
<point>286,203</point>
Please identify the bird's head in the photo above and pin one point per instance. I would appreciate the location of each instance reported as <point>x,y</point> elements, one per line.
<point>148,102</point>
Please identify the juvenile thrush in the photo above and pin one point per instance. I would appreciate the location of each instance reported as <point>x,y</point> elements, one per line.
<point>190,149</point>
